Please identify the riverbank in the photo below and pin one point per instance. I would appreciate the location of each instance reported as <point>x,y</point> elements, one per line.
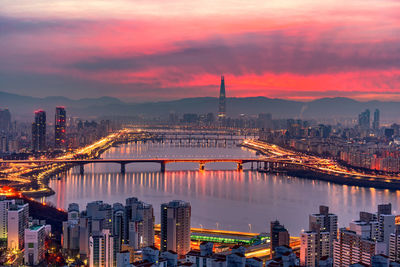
<point>33,180</point>
<point>304,170</point>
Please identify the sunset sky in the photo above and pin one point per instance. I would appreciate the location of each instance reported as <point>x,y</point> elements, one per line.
<point>143,50</point>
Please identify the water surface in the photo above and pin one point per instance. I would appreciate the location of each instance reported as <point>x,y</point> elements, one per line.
<point>221,197</point>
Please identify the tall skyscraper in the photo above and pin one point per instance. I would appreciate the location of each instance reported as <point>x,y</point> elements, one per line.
<point>175,226</point>
<point>39,131</point>
<point>59,128</point>
<point>375,123</point>
<point>279,235</point>
<point>364,120</point>
<point>222,100</point>
<point>5,120</point>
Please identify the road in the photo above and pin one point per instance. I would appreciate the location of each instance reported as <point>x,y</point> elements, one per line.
<point>328,166</point>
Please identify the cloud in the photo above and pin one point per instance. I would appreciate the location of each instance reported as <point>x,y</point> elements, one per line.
<point>319,49</point>
<point>275,52</point>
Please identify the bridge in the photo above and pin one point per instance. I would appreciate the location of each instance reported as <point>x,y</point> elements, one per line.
<point>191,139</point>
<point>268,163</point>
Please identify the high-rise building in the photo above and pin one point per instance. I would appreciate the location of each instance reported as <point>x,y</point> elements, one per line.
<point>4,206</point>
<point>39,131</point>
<point>394,245</point>
<point>139,229</point>
<point>386,224</point>
<point>101,249</point>
<point>324,222</point>
<point>375,122</point>
<point>71,228</point>
<point>364,121</point>
<point>175,226</point>
<point>5,120</point>
<point>17,220</point>
<point>59,128</point>
<point>35,249</point>
<point>313,247</point>
<point>118,226</point>
<point>222,100</point>
<point>317,243</point>
<point>279,235</point>
<point>351,248</point>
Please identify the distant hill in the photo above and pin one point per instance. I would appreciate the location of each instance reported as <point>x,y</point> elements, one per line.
<point>22,107</point>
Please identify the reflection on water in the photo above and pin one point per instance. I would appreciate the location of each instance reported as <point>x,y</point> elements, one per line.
<point>227,198</point>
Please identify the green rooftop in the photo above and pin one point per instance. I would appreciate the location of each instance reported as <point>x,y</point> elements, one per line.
<point>35,227</point>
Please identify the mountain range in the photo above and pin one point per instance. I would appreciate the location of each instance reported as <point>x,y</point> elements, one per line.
<point>22,107</point>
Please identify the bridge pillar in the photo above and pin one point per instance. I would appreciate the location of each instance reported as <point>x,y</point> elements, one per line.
<point>202,166</point>
<point>252,167</point>
<point>123,169</point>
<point>162,167</point>
<point>82,169</point>
<point>239,166</point>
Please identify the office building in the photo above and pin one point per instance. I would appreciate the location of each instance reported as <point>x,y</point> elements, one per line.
<point>375,122</point>
<point>60,128</point>
<point>101,249</point>
<point>17,221</point>
<point>5,121</point>
<point>364,121</point>
<point>39,131</point>
<point>175,226</point>
<point>35,249</point>
<point>222,100</point>
<point>279,235</point>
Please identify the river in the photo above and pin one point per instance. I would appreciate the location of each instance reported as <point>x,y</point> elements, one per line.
<point>221,197</point>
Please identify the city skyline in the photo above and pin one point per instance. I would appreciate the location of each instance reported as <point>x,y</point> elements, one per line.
<point>131,50</point>
<point>200,133</point>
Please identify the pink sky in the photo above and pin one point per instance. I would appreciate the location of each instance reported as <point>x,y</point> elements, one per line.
<point>157,50</point>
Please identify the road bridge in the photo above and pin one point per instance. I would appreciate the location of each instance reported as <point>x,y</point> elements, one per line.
<point>267,163</point>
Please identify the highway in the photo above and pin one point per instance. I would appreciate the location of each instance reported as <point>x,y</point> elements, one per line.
<point>328,166</point>
<point>22,174</point>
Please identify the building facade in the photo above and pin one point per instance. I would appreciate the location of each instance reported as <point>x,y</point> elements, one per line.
<point>175,226</point>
